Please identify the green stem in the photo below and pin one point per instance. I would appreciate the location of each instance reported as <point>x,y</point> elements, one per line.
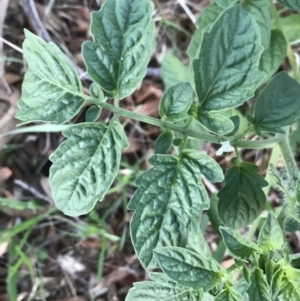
<point>287,153</point>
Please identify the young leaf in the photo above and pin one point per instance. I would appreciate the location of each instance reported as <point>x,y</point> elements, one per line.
<point>85,165</point>
<point>92,113</point>
<point>277,105</point>
<point>291,27</point>
<point>123,34</point>
<point>226,71</point>
<point>51,89</point>
<point>161,291</point>
<point>188,269</point>
<point>163,142</point>
<point>176,102</point>
<point>204,23</point>
<point>225,3</point>
<point>242,199</point>
<point>289,290</point>
<point>229,294</point>
<point>174,72</point>
<point>96,92</point>
<point>276,283</point>
<point>237,244</point>
<point>272,57</point>
<point>169,200</point>
<point>259,288</point>
<point>259,9</point>
<point>271,235</point>
<point>293,4</point>
<point>216,123</point>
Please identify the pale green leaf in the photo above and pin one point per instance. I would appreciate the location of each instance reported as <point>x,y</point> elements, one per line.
<point>188,269</point>
<point>85,165</point>
<point>242,199</point>
<point>226,72</point>
<point>272,57</point>
<point>163,142</point>
<point>237,244</point>
<point>259,9</point>
<point>290,290</point>
<point>96,92</point>
<point>259,288</point>
<point>173,71</point>
<point>169,201</point>
<point>292,4</point>
<point>216,123</point>
<point>92,113</point>
<point>291,27</point>
<point>276,283</point>
<point>161,291</point>
<point>123,33</point>
<point>229,294</point>
<point>51,89</point>
<point>271,235</point>
<point>277,105</point>
<point>204,23</point>
<point>225,3</point>
<point>176,102</point>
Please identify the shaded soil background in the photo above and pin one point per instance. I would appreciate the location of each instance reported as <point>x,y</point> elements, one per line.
<point>48,256</point>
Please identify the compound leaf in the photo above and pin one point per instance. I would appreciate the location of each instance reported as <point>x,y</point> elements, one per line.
<point>176,102</point>
<point>237,244</point>
<point>204,23</point>
<point>229,294</point>
<point>259,9</point>
<point>226,71</point>
<point>85,165</point>
<point>277,105</point>
<point>293,4</point>
<point>242,199</point>
<point>259,288</point>
<point>272,57</point>
<point>173,71</point>
<point>162,291</point>
<point>216,123</point>
<point>271,235</point>
<point>169,201</point>
<point>123,34</point>
<point>188,269</point>
<point>51,89</point>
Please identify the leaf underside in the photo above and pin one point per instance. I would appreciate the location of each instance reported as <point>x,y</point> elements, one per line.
<point>85,165</point>
<point>226,71</point>
<point>169,201</point>
<point>51,88</point>
<point>123,33</point>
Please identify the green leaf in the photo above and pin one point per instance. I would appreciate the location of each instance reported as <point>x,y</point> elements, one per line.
<point>237,244</point>
<point>188,269</point>
<point>225,3</point>
<point>291,27</point>
<point>176,102</point>
<point>276,283</point>
<point>123,34</point>
<point>271,235</point>
<point>259,9</point>
<point>92,113</point>
<point>173,71</point>
<point>51,89</point>
<point>216,123</point>
<point>204,23</point>
<point>85,165</point>
<point>272,57</point>
<point>226,71</point>
<point>169,201</point>
<point>293,4</point>
<point>259,288</point>
<point>96,92</point>
<point>229,294</point>
<point>242,199</point>
<point>289,290</point>
<point>153,291</point>
<point>163,142</point>
<point>236,123</point>
<point>277,105</point>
